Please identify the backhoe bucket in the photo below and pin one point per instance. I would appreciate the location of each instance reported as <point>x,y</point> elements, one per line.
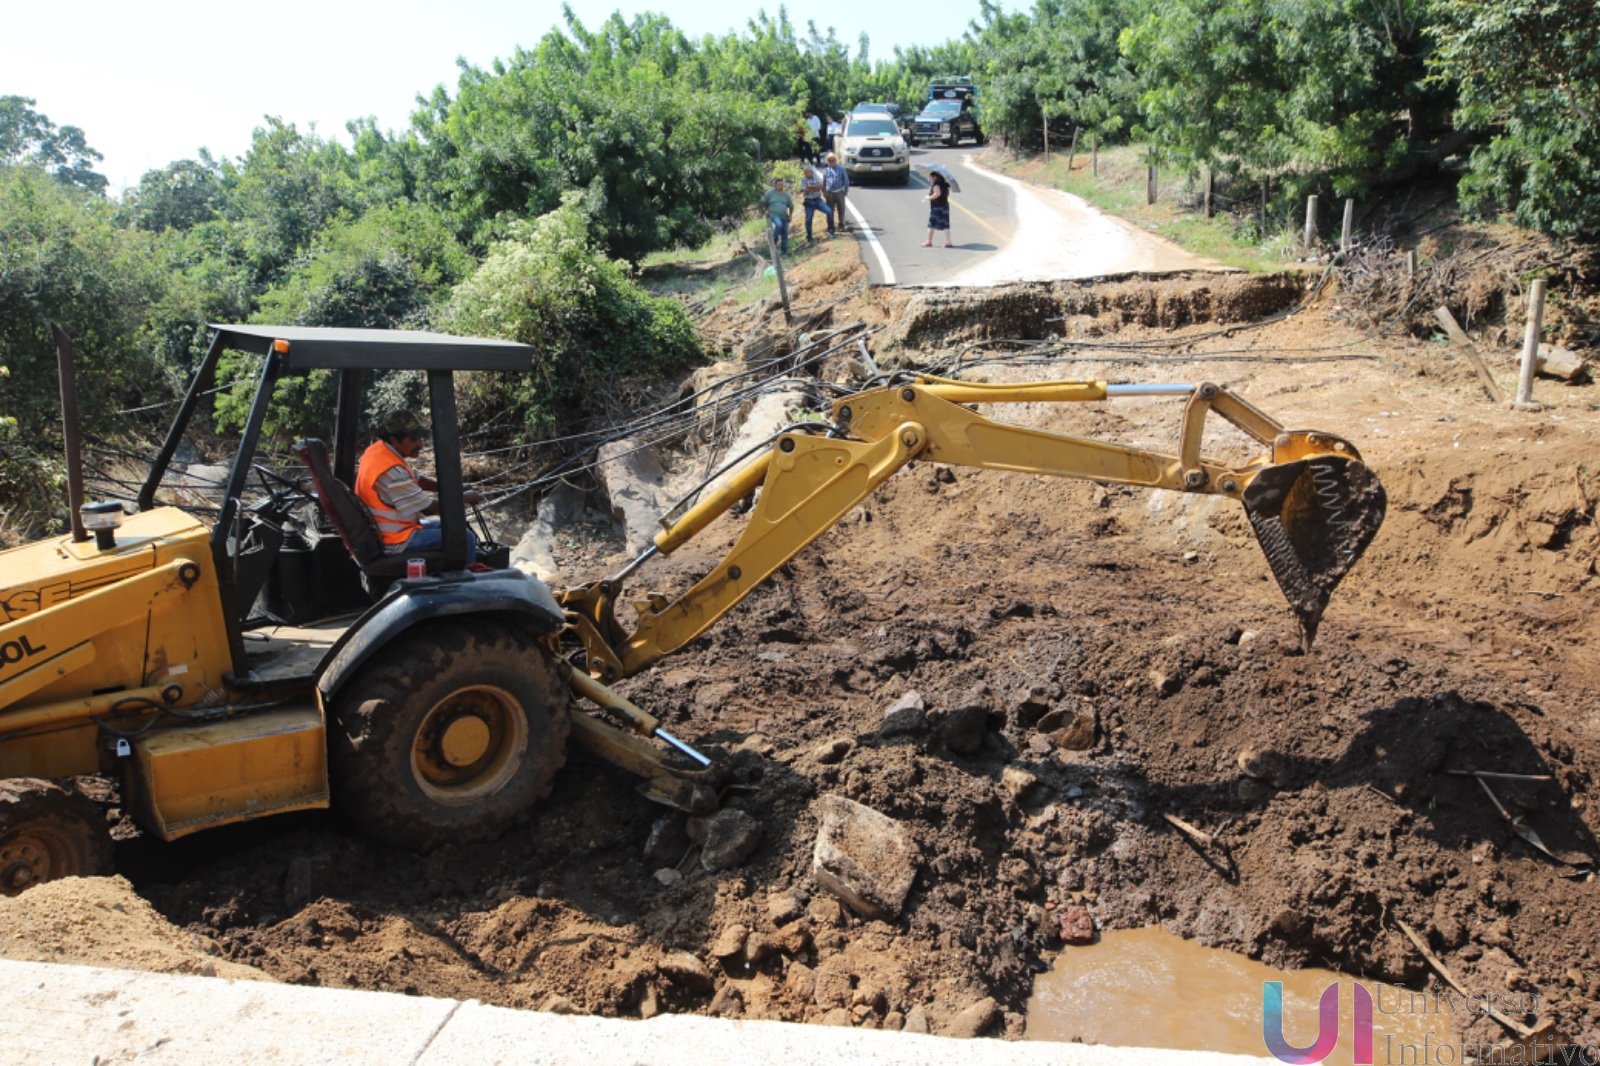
<point>1314,517</point>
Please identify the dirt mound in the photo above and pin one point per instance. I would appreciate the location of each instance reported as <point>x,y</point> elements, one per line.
<point>101,921</point>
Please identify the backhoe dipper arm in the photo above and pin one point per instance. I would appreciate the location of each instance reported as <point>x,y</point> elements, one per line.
<point>1314,512</point>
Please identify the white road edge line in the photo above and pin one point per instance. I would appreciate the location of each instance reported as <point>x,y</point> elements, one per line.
<point>872,240</point>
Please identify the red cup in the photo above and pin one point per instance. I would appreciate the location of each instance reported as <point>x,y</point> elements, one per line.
<point>416,568</point>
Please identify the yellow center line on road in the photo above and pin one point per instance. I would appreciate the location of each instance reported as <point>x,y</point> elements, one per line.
<point>997,234</point>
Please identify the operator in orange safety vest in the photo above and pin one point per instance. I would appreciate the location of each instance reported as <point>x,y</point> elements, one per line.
<point>400,498</point>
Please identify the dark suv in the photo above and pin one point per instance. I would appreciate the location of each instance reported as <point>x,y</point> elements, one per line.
<point>949,121</point>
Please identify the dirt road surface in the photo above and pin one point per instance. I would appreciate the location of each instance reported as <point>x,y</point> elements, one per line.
<point>1090,660</point>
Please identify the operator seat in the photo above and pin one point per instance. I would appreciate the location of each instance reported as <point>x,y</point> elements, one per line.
<point>354,523</point>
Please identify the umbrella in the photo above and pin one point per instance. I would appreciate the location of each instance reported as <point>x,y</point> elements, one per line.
<point>939,168</point>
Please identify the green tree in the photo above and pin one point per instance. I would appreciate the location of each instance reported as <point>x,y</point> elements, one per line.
<point>288,186</point>
<point>178,196</point>
<point>549,285</point>
<point>62,260</point>
<point>1272,89</point>
<point>1528,74</point>
<point>627,113</point>
<point>26,136</point>
<point>388,269</point>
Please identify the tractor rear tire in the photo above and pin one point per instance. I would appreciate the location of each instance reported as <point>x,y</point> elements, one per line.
<point>46,832</point>
<point>451,734</point>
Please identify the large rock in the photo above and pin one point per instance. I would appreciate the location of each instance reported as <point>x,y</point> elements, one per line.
<point>975,1020</point>
<point>865,858</point>
<point>632,474</point>
<point>964,728</point>
<point>1553,361</point>
<point>561,506</point>
<point>907,716</point>
<point>727,838</point>
<point>687,970</point>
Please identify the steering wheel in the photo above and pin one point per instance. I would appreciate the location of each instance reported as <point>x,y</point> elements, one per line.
<point>282,491</point>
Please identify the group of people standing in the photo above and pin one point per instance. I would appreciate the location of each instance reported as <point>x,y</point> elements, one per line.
<point>815,138</point>
<point>822,192</point>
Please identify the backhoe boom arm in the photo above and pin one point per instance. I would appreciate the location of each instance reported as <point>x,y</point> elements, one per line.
<point>1314,511</point>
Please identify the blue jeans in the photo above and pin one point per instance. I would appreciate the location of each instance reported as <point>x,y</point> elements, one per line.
<point>430,538</point>
<point>780,229</point>
<point>817,207</point>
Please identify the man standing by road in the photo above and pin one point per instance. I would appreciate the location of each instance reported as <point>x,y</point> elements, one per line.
<point>814,124</point>
<point>835,187</point>
<point>398,496</point>
<point>778,205</point>
<point>834,129</point>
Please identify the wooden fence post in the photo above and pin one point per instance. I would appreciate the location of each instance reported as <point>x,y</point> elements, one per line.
<point>1530,343</point>
<point>1411,263</point>
<point>777,266</point>
<point>1349,222</point>
<point>1094,146</point>
<point>1047,135</point>
<point>1073,150</point>
<point>1459,338</point>
<point>1211,188</point>
<point>1310,238</point>
<point>1150,184</point>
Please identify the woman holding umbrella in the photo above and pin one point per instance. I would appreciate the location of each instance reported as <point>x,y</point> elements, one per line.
<point>938,206</point>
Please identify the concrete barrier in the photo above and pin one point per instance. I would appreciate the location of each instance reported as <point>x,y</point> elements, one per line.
<point>53,1014</point>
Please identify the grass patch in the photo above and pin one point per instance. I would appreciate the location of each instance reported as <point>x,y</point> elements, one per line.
<point>731,269</point>
<point>1118,189</point>
<point>723,245</point>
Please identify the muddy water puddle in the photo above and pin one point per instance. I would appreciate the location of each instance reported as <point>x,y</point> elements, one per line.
<point>1150,988</point>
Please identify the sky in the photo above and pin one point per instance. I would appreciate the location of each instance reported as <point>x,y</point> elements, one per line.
<point>155,82</point>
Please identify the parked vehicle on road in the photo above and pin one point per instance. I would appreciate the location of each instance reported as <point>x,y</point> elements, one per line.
<point>946,122</point>
<point>950,115</point>
<point>871,147</point>
<point>902,117</point>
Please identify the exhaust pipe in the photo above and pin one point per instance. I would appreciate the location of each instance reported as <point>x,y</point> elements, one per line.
<point>70,431</point>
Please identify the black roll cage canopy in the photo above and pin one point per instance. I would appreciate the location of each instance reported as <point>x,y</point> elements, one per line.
<point>294,350</point>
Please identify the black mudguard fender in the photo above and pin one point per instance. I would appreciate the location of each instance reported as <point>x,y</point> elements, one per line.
<point>524,601</point>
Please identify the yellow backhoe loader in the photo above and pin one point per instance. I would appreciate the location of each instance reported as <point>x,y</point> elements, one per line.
<point>441,712</point>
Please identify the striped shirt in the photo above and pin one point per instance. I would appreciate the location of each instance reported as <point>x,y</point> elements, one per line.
<point>399,491</point>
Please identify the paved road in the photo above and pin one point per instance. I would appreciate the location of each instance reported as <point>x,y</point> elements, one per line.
<point>982,221</point>
<point>1003,230</point>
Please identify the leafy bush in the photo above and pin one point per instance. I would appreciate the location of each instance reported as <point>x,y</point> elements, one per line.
<point>63,261</point>
<point>1528,75</point>
<point>548,285</point>
<point>386,270</point>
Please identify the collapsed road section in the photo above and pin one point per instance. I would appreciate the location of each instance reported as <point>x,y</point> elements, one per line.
<point>965,726</point>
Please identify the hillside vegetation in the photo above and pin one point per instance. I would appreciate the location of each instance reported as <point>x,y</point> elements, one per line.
<point>518,203</point>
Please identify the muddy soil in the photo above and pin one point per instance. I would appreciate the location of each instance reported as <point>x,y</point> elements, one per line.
<point>1092,660</point>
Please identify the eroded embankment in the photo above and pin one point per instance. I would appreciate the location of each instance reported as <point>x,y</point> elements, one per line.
<point>940,317</point>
